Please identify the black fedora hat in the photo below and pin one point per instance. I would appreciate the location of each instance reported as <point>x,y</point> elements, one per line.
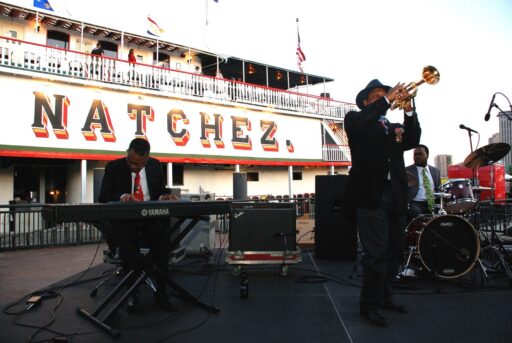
<point>364,93</point>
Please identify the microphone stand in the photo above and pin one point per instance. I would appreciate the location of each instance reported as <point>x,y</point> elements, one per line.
<point>501,111</point>
<point>475,170</point>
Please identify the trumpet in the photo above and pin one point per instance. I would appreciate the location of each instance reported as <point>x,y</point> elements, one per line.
<point>430,75</point>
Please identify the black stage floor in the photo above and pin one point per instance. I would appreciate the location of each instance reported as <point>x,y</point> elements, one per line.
<point>316,302</point>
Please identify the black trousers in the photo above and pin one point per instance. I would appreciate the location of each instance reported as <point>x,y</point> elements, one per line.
<point>417,208</point>
<point>381,232</point>
<point>144,234</point>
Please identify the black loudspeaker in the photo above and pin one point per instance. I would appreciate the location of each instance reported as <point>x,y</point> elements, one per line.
<point>335,237</point>
<point>97,179</point>
<point>240,186</point>
<point>262,227</point>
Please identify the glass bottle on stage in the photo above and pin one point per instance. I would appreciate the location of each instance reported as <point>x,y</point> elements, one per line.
<point>244,286</point>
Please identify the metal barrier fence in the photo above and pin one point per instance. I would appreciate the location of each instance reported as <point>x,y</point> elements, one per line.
<point>487,215</point>
<point>22,226</point>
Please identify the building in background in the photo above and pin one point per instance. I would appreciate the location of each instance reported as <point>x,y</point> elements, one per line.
<point>505,122</point>
<point>442,162</point>
<point>496,138</point>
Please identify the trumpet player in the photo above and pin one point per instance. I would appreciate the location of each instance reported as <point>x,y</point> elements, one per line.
<point>376,193</point>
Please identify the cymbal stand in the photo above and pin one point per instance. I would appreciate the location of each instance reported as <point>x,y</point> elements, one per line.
<point>476,223</point>
<point>475,183</point>
<point>495,244</point>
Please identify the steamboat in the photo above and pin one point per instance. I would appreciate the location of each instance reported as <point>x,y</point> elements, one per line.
<point>66,112</point>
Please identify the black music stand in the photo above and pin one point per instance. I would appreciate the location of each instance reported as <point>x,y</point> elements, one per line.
<point>144,268</point>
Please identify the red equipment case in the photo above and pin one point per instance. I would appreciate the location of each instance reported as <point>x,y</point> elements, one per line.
<point>484,178</point>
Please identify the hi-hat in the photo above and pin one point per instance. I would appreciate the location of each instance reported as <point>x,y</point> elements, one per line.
<point>481,188</point>
<point>486,155</point>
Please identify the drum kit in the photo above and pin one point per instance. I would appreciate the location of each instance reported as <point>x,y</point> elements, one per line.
<point>445,243</point>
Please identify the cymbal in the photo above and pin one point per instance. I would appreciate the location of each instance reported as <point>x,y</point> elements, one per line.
<point>486,155</point>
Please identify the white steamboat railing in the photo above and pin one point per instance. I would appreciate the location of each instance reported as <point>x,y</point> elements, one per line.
<point>41,58</point>
<point>335,153</point>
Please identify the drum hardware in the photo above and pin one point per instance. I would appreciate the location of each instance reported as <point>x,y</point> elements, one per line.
<point>441,196</point>
<point>488,155</point>
<point>495,244</point>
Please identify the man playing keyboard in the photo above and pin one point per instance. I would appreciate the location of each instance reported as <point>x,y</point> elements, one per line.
<point>138,177</point>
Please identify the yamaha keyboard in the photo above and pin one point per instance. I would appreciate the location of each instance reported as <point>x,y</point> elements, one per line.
<point>132,210</point>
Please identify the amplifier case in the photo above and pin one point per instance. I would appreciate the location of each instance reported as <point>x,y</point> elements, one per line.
<point>263,233</point>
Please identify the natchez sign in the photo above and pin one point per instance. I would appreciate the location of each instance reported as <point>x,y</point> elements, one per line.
<point>45,119</point>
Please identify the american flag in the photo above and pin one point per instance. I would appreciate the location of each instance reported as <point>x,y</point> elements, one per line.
<point>300,54</point>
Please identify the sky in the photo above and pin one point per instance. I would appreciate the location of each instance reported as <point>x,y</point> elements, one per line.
<point>468,41</point>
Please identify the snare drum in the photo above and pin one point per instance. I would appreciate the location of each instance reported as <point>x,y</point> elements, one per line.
<point>461,199</point>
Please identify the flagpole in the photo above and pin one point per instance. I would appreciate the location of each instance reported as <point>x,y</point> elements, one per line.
<point>206,24</point>
<point>298,41</point>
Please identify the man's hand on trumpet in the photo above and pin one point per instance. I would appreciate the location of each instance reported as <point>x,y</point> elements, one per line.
<point>397,93</point>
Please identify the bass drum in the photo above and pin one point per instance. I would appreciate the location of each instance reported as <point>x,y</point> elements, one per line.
<point>449,246</point>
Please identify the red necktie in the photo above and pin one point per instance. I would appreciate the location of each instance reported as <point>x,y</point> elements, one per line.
<point>137,189</point>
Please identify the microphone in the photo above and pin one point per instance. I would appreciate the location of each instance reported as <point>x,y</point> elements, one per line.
<point>462,126</point>
<point>491,105</point>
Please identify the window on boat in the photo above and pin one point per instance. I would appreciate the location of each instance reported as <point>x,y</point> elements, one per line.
<point>163,59</point>
<point>57,39</point>
<point>253,176</point>
<point>297,175</point>
<point>109,49</point>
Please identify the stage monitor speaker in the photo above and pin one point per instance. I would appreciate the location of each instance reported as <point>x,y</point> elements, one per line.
<point>335,237</point>
<point>262,227</point>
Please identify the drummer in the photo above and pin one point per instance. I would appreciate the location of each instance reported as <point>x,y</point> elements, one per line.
<point>426,180</point>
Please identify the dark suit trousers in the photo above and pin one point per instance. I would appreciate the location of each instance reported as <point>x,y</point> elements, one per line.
<point>381,232</point>
<point>417,208</point>
<point>144,234</point>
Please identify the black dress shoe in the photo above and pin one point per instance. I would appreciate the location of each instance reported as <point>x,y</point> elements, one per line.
<point>374,317</point>
<point>133,303</point>
<point>391,305</point>
<point>164,302</point>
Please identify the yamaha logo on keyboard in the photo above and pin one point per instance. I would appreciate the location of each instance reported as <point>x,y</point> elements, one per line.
<point>154,212</point>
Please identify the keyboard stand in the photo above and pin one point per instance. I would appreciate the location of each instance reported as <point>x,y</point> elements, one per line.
<point>144,268</point>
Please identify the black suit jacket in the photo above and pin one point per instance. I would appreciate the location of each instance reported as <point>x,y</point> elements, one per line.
<point>374,154</point>
<point>413,170</point>
<point>118,180</point>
